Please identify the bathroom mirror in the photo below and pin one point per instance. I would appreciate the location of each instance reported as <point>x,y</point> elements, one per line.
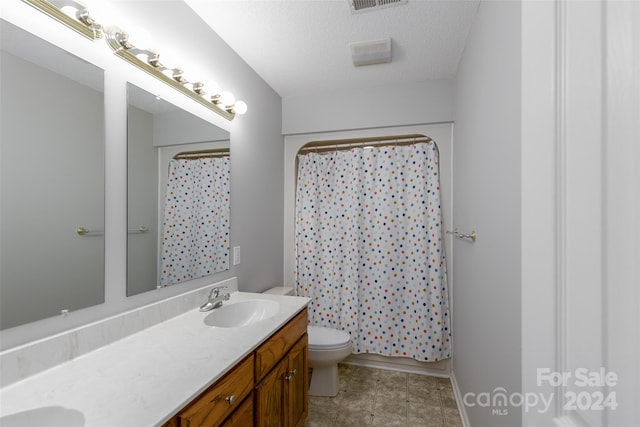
<point>51,179</point>
<point>178,208</point>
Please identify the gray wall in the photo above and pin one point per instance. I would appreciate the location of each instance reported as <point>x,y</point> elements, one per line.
<point>487,315</point>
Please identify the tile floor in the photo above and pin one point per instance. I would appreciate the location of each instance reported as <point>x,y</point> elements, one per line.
<point>379,397</point>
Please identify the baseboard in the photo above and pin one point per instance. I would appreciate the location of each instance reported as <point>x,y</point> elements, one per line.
<point>461,407</point>
<point>569,420</point>
<point>403,364</point>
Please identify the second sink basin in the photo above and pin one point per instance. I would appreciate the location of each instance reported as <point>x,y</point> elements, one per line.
<point>242,313</point>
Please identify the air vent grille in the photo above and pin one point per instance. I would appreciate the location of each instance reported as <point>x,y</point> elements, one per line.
<point>358,6</point>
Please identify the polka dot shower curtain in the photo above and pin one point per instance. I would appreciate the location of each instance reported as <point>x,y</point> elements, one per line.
<point>369,248</point>
<point>196,218</point>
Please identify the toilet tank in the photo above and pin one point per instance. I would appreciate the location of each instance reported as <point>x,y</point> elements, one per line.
<point>280,290</point>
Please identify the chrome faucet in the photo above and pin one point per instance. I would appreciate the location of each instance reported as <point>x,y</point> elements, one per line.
<point>216,297</point>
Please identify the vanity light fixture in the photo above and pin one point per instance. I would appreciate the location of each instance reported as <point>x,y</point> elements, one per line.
<point>223,103</point>
<point>118,40</point>
<point>82,23</point>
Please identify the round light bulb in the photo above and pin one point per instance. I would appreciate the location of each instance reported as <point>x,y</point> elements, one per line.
<point>240,107</point>
<point>227,98</point>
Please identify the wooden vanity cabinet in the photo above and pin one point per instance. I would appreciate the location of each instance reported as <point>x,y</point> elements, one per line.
<point>268,388</point>
<point>281,397</point>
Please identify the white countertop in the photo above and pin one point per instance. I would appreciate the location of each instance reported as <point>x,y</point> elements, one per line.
<point>144,379</point>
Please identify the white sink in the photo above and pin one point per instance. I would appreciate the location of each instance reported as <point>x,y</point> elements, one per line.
<point>45,416</point>
<point>243,313</point>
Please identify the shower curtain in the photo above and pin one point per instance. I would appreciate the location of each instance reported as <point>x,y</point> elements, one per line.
<point>195,240</point>
<point>369,251</point>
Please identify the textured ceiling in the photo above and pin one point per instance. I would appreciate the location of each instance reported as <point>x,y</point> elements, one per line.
<point>301,47</point>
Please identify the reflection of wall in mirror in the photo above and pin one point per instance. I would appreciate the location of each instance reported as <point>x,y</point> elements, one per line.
<point>52,182</point>
<point>142,164</point>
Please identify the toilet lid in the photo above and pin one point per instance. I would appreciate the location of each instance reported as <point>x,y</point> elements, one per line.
<point>327,338</point>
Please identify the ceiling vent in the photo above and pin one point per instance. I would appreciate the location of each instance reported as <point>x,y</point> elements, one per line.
<point>358,6</point>
<point>369,53</point>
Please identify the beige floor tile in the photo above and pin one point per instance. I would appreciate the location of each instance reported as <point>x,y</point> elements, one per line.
<point>415,380</point>
<point>384,406</point>
<point>352,418</point>
<point>392,393</point>
<point>448,402</point>
<point>444,383</point>
<point>426,411</point>
<point>388,420</point>
<point>362,372</point>
<point>388,373</point>
<point>358,401</point>
<point>452,417</point>
<point>398,382</point>
<point>424,396</point>
<point>378,397</point>
<point>318,420</point>
<point>361,380</point>
<point>325,404</point>
<point>425,422</point>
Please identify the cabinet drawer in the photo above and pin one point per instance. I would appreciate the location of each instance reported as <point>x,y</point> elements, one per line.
<point>269,353</point>
<point>222,398</point>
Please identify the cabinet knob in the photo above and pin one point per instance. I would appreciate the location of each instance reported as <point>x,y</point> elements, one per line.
<point>290,375</point>
<point>231,399</point>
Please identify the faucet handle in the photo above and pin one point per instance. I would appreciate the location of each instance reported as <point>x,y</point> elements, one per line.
<point>215,292</point>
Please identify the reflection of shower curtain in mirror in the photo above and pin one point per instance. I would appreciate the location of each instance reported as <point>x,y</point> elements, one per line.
<point>195,239</point>
<point>369,250</point>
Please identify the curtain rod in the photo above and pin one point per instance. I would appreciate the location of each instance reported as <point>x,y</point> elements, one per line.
<point>202,154</point>
<point>346,144</point>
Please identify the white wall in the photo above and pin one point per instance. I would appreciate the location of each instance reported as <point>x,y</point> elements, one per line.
<point>256,145</point>
<point>486,179</point>
<point>408,104</point>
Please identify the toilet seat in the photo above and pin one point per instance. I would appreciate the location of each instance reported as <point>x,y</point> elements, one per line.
<point>321,338</point>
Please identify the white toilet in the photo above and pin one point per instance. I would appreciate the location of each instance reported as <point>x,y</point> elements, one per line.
<point>327,347</point>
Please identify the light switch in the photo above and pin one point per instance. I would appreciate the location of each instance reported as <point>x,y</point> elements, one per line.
<point>236,255</point>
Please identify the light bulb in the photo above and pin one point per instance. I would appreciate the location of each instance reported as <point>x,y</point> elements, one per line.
<point>240,107</point>
<point>227,98</point>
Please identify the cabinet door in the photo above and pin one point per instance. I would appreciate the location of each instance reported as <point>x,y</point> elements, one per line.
<point>269,405</point>
<point>297,384</point>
